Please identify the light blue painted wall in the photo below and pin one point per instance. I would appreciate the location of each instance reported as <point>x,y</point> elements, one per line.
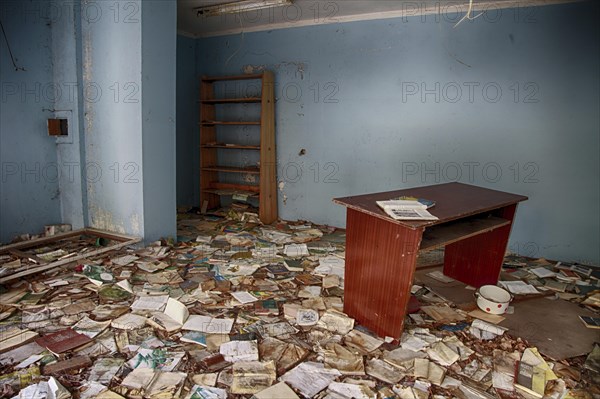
<point>128,63</point>
<point>112,79</point>
<point>344,95</point>
<point>188,174</point>
<point>29,183</point>
<point>68,104</point>
<point>159,59</point>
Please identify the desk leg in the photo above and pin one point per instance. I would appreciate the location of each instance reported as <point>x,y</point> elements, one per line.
<point>380,263</point>
<point>477,260</point>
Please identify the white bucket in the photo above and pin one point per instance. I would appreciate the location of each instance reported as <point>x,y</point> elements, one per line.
<point>493,299</point>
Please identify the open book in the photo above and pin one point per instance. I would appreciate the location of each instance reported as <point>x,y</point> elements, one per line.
<point>406,210</point>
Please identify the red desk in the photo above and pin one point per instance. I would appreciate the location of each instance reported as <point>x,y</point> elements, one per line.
<point>381,253</point>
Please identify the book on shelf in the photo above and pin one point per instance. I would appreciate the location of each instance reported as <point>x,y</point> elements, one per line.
<point>407,209</point>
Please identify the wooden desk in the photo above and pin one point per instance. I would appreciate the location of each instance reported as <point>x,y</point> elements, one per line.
<point>381,253</point>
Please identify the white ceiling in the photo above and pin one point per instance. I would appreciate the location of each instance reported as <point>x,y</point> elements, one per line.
<point>317,12</point>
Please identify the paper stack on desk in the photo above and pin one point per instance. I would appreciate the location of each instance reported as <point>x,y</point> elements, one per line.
<point>406,210</point>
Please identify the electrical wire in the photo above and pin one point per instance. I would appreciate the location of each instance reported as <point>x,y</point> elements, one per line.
<point>468,14</point>
<point>17,68</point>
<point>241,43</point>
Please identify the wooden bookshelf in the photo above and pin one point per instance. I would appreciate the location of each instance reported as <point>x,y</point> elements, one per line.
<point>213,151</point>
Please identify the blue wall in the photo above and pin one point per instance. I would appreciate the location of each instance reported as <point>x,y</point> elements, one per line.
<point>113,120</point>
<point>381,105</point>
<point>129,62</point>
<point>188,141</point>
<point>109,68</point>
<point>66,58</point>
<point>29,182</point>
<point>159,59</point>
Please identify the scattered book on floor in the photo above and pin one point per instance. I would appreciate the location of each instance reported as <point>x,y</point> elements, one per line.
<point>194,337</point>
<point>590,322</point>
<point>531,379</point>
<point>406,210</point>
<point>277,271</point>
<point>63,341</point>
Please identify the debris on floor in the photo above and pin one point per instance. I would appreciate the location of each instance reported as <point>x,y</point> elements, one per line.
<point>236,309</point>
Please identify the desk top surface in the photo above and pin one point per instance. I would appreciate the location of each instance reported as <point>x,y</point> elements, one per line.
<point>452,201</point>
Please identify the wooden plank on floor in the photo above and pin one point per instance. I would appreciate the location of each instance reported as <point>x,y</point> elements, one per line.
<point>553,327</point>
<point>124,241</point>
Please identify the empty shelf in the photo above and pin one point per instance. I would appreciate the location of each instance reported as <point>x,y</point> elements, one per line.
<point>232,146</point>
<point>443,234</point>
<point>233,100</point>
<point>209,123</point>
<point>233,77</point>
<point>232,169</point>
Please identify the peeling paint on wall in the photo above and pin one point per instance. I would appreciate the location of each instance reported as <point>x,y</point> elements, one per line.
<point>283,195</point>
<point>298,67</point>
<point>251,69</point>
<point>103,220</point>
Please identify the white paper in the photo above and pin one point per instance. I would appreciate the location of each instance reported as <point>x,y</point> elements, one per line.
<point>205,392</point>
<point>165,385</point>
<point>177,311</point>
<point>240,351</point>
<point>310,291</point>
<point>238,269</point>
<point>150,302</point>
<point>35,391</point>
<point>331,265</point>
<point>450,382</point>
<point>125,274</point>
<point>307,317</point>
<point>29,361</point>
<point>155,359</point>
<point>204,239</point>
<point>310,378</point>
<point>542,272</point>
<point>415,344</point>
<point>151,267</point>
<point>406,210</point>
<point>519,287</point>
<point>278,391</point>
<point>207,324</point>
<point>56,390</point>
<point>129,321</point>
<point>124,260</point>
<point>105,369</point>
<point>415,288</point>
<point>336,322</point>
<point>91,389</point>
<point>125,285</point>
<point>90,327</point>
<point>503,381</point>
<point>362,341</point>
<point>139,378</point>
<point>442,354</point>
<point>483,330</point>
<point>275,236</point>
<point>353,391</point>
<point>244,297</point>
<point>296,250</point>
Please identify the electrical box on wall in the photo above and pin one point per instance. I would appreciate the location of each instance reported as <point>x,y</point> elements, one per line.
<point>58,127</point>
